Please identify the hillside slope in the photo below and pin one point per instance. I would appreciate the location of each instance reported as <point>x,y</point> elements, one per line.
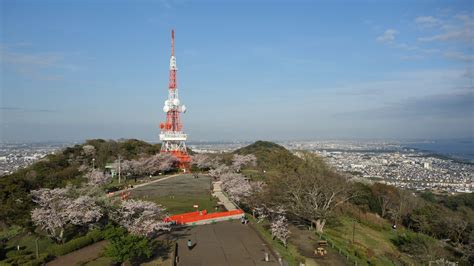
<point>271,158</point>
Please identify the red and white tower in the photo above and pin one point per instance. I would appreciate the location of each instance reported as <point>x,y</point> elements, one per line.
<point>172,135</point>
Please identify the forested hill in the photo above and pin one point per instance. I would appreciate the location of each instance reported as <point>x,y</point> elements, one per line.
<point>61,169</point>
<point>271,156</point>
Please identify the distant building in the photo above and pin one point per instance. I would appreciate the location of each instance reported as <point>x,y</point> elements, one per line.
<point>427,165</point>
<point>110,169</point>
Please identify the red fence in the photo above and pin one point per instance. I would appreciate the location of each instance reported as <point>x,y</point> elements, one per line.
<point>196,216</point>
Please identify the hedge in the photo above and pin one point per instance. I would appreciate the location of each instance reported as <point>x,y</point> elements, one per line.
<point>77,243</point>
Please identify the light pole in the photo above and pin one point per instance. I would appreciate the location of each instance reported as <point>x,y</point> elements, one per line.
<point>353,232</point>
<point>119,169</point>
<point>37,249</point>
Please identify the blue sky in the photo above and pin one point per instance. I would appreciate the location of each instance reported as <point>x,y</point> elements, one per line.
<point>72,70</point>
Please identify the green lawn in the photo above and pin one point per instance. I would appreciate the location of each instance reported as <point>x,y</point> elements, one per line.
<point>371,244</point>
<point>289,253</point>
<point>182,203</point>
<point>179,194</point>
<point>28,242</point>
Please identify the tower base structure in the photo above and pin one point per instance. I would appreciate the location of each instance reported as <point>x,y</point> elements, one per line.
<point>174,144</point>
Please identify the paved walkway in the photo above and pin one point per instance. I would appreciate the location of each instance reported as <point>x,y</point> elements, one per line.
<point>217,192</point>
<point>224,243</point>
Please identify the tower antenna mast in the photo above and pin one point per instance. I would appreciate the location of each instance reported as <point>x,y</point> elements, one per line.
<point>172,136</point>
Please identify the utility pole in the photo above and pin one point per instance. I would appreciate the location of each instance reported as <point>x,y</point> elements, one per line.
<point>353,232</point>
<point>119,169</point>
<point>37,249</point>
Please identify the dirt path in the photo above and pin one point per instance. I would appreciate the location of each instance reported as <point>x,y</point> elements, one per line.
<point>306,242</point>
<point>82,255</point>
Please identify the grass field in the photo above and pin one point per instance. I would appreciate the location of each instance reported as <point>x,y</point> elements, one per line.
<point>28,242</point>
<point>289,253</point>
<point>179,194</point>
<point>371,244</point>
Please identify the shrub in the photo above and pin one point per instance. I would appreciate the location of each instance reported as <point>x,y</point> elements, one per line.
<point>416,244</point>
<point>112,231</point>
<point>129,248</point>
<point>17,253</point>
<point>78,243</point>
<point>43,257</point>
<point>96,235</point>
<point>19,257</point>
<point>72,245</point>
<point>10,233</point>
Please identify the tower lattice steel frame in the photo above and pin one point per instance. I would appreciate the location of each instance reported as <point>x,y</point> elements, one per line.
<point>172,136</point>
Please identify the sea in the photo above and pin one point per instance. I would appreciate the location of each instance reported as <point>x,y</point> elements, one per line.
<point>462,149</point>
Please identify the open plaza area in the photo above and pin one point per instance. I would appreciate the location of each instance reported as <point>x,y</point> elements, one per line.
<point>225,243</point>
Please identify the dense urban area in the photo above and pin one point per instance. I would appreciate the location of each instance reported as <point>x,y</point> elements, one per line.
<point>386,162</point>
<point>14,156</point>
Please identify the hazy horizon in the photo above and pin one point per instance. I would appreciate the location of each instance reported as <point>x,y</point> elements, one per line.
<point>247,70</point>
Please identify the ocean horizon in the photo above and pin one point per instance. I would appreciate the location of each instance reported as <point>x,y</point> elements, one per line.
<point>461,149</point>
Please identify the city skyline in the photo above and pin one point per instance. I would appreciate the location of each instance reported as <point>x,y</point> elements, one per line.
<point>82,69</point>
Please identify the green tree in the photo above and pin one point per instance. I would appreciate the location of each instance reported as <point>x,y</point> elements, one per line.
<point>126,247</point>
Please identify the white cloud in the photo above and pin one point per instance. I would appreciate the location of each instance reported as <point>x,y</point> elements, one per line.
<point>456,29</point>
<point>411,57</point>
<point>459,56</point>
<point>427,21</point>
<point>388,36</point>
<point>414,48</point>
<point>460,29</point>
<point>42,66</point>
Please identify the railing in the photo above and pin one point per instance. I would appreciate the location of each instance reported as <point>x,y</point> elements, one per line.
<point>192,217</point>
<point>351,258</point>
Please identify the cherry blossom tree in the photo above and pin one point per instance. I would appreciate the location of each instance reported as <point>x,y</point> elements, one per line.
<point>202,161</point>
<point>59,207</point>
<point>168,162</point>
<point>83,168</point>
<point>83,210</point>
<point>261,213</point>
<point>239,161</point>
<point>133,167</point>
<point>142,217</point>
<point>279,229</point>
<point>97,178</point>
<point>219,171</point>
<point>160,162</point>
<point>88,150</point>
<point>50,215</point>
<point>205,161</point>
<point>236,186</point>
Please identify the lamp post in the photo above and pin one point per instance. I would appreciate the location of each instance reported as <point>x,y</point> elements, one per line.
<point>37,248</point>
<point>119,169</point>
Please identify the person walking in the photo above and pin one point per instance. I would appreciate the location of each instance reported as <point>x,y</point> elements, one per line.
<point>190,244</point>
